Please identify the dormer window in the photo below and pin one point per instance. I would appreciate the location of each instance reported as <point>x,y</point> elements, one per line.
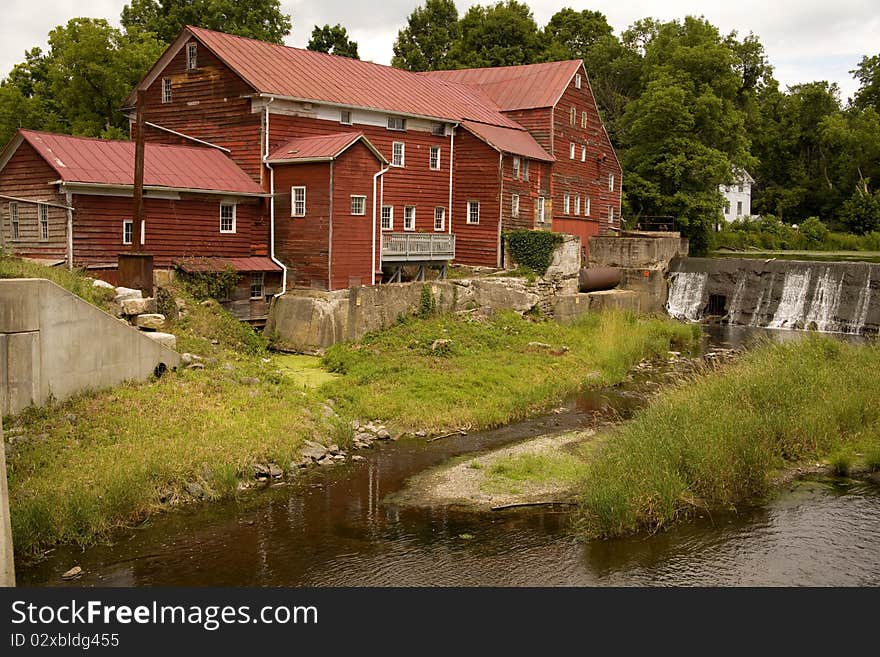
<point>345,117</point>
<point>192,55</point>
<point>396,123</point>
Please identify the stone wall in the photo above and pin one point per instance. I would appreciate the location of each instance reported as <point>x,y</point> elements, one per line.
<point>643,258</point>
<point>54,344</point>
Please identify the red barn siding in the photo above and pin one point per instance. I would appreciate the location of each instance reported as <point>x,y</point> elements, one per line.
<point>476,178</point>
<point>175,229</point>
<point>303,243</point>
<point>207,103</point>
<point>539,122</point>
<point>353,234</point>
<point>537,185</point>
<point>27,176</point>
<point>413,184</point>
<point>584,178</point>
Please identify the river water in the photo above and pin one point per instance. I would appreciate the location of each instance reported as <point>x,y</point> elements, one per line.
<point>331,528</point>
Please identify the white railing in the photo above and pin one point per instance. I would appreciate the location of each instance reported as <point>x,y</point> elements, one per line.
<point>417,247</point>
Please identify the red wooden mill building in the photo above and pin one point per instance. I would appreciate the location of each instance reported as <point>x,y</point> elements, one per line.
<point>351,168</point>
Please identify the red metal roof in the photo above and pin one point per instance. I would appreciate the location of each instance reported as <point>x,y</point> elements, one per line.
<point>325,147</point>
<point>302,74</point>
<point>517,142</point>
<point>516,87</point>
<point>105,162</point>
<point>253,263</point>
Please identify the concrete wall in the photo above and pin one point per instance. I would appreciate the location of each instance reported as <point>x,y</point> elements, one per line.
<point>52,343</point>
<point>643,258</point>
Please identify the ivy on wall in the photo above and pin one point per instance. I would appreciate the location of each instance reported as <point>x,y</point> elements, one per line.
<point>532,249</point>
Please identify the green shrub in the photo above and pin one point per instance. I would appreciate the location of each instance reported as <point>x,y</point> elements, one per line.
<point>202,285</point>
<point>533,248</point>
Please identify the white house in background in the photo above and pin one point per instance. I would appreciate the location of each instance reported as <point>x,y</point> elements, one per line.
<point>738,196</point>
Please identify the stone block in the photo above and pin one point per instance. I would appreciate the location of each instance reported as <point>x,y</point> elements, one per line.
<point>123,293</point>
<point>150,321</point>
<point>138,306</point>
<point>165,339</point>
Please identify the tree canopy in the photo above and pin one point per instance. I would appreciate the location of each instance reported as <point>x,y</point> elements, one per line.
<point>333,40</point>
<point>256,19</point>
<point>503,34</point>
<point>423,45</point>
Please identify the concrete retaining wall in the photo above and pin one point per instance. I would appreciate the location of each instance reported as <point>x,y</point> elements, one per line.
<point>54,344</point>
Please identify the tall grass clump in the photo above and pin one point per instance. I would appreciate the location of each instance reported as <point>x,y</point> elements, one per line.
<point>715,442</point>
<point>446,372</point>
<point>74,281</point>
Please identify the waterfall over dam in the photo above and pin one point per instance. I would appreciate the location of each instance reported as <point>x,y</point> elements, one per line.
<point>834,297</point>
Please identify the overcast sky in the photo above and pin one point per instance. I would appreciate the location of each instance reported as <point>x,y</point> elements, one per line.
<point>806,40</point>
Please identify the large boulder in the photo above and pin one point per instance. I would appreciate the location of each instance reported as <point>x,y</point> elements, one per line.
<point>138,306</point>
<point>165,339</point>
<point>150,321</point>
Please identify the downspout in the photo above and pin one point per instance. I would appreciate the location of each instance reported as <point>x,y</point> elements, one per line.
<point>498,260</point>
<point>451,162</point>
<point>272,204</point>
<point>376,176</point>
<point>330,234</point>
<point>69,198</point>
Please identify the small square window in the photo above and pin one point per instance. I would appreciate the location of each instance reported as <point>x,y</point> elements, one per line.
<point>396,123</point>
<point>439,219</point>
<point>387,217</point>
<point>435,157</point>
<point>44,221</point>
<point>258,279</point>
<point>127,228</point>
<point>297,201</point>
<point>514,205</point>
<point>358,205</point>
<point>438,129</point>
<point>398,154</point>
<point>227,217</point>
<point>409,217</point>
<point>166,90</point>
<point>473,214</point>
<point>345,117</point>
<point>192,54</point>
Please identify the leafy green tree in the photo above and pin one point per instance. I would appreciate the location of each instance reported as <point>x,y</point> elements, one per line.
<point>424,44</point>
<point>861,213</point>
<point>256,19</point>
<point>503,34</point>
<point>572,34</point>
<point>868,75</point>
<point>333,40</point>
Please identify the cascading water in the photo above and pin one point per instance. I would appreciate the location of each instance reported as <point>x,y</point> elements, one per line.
<point>860,318</point>
<point>685,299</point>
<point>735,310</point>
<point>822,315</point>
<point>790,311</point>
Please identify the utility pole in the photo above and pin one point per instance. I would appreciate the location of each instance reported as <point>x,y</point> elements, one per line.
<point>7,560</point>
<point>139,147</point>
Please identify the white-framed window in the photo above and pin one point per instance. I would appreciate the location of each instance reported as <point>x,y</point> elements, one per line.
<point>166,90</point>
<point>345,117</point>
<point>473,212</point>
<point>571,147</point>
<point>515,167</point>
<point>439,219</point>
<point>434,158</point>
<point>128,229</point>
<point>358,204</point>
<point>566,203</point>
<point>438,129</point>
<point>13,219</point>
<point>610,213</point>
<point>298,201</point>
<point>514,205</point>
<point>227,217</point>
<point>739,208</point>
<point>387,218</point>
<point>409,217</point>
<point>398,152</point>
<point>727,208</point>
<point>583,153</point>
<point>43,212</point>
<point>610,182</point>
<point>573,116</point>
<point>586,205</point>
<point>539,206</point>
<point>583,119</point>
<point>577,205</point>
<point>577,81</point>
<point>192,56</point>
<point>396,123</point>
<point>740,188</point>
<point>526,170</point>
<point>258,279</point>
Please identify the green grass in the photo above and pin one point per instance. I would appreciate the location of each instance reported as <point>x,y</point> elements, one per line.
<point>73,281</point>
<point>509,473</point>
<point>716,441</point>
<point>872,458</point>
<point>307,370</point>
<point>488,374</point>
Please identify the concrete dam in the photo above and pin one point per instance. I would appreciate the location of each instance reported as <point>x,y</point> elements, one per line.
<point>833,297</point>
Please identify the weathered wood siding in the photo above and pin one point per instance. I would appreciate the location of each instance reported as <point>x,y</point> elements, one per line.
<point>539,122</point>
<point>303,243</point>
<point>538,184</point>
<point>243,307</point>
<point>27,176</point>
<point>352,248</point>
<point>208,103</point>
<point>476,178</point>
<point>189,226</point>
<point>589,178</point>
